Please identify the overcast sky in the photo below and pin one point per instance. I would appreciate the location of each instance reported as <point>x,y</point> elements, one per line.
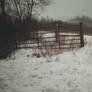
<point>66,9</point>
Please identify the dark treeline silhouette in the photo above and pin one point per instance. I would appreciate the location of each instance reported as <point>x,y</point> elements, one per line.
<point>87,23</point>
<point>54,25</point>
<point>17,23</point>
<point>7,36</point>
<point>72,25</point>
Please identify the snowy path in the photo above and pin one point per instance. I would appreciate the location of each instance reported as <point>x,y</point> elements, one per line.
<point>68,72</point>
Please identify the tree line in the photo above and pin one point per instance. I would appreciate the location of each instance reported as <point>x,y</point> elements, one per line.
<point>17,20</point>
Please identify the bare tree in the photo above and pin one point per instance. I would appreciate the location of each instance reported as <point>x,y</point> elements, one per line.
<point>25,8</point>
<point>2,6</point>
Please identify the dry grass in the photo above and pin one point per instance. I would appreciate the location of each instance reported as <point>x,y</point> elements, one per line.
<point>37,55</point>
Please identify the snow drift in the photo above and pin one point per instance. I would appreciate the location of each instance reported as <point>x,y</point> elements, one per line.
<point>70,71</point>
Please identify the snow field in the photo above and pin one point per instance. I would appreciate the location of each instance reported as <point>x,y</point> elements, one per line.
<point>70,71</point>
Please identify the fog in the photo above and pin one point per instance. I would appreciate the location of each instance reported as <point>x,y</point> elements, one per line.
<point>67,9</point>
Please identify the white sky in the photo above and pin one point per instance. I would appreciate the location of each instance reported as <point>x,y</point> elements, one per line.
<point>66,9</point>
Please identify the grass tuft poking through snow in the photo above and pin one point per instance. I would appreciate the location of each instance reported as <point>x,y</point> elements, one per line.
<point>70,71</point>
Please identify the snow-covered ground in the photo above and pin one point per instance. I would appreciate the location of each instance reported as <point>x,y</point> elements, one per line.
<point>69,71</point>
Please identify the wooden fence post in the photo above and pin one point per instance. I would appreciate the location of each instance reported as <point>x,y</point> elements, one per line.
<point>37,39</point>
<point>57,36</point>
<point>16,47</point>
<point>81,36</point>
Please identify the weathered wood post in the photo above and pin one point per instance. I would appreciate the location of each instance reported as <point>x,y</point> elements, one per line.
<point>16,44</point>
<point>38,38</point>
<point>56,32</point>
<point>57,36</point>
<point>81,35</point>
